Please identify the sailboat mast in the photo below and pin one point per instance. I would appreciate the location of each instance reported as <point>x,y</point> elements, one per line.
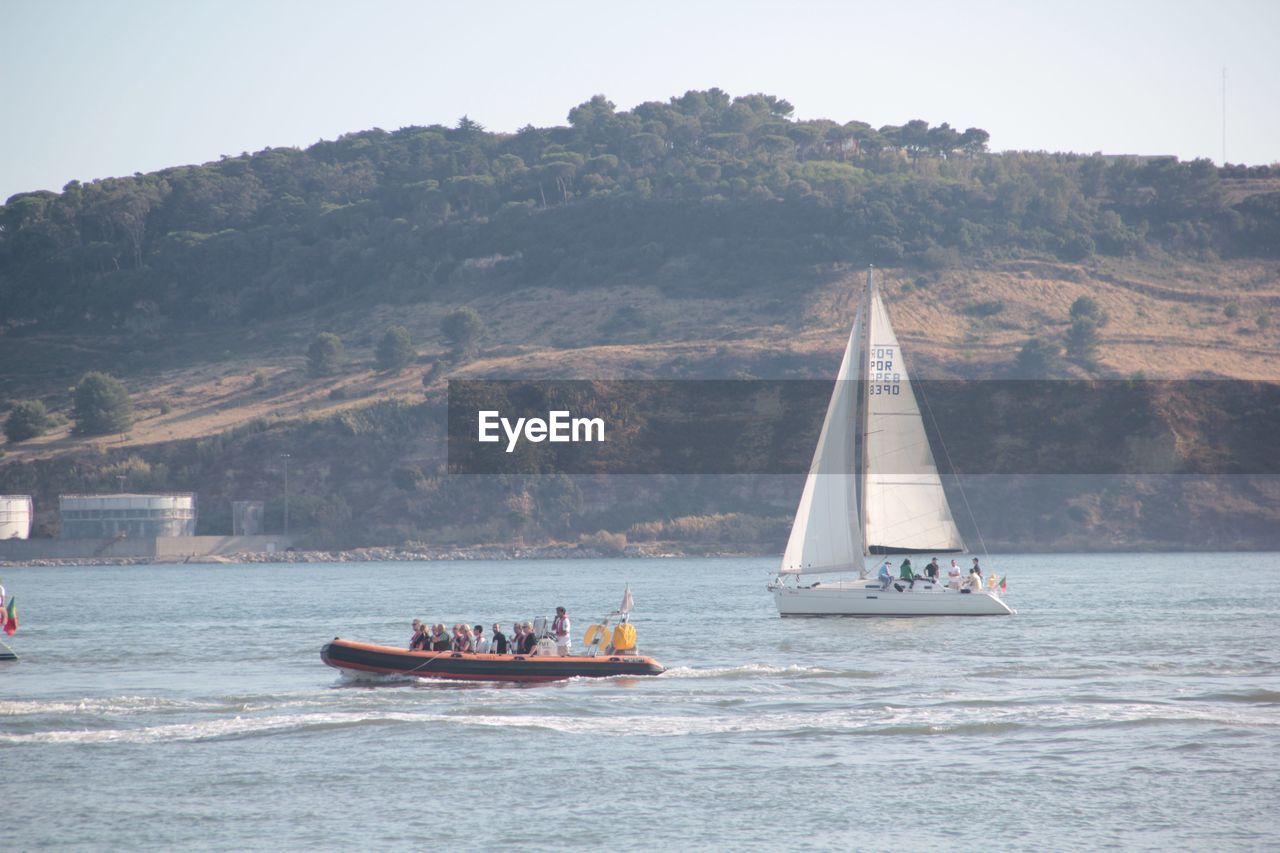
<point>864,408</point>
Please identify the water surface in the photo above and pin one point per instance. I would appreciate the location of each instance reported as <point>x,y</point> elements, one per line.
<point>1134,701</point>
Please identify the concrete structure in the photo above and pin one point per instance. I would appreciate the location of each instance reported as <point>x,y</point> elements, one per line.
<point>126,516</point>
<point>173,548</point>
<point>15,516</point>
<point>246,518</point>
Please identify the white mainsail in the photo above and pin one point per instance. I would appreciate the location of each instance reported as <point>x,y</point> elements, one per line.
<point>906,507</point>
<point>825,536</point>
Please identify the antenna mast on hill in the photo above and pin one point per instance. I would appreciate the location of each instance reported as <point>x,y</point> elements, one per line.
<point>1224,115</point>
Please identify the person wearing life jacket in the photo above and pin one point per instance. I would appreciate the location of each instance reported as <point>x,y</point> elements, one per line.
<point>439,639</point>
<point>560,629</point>
<point>419,642</point>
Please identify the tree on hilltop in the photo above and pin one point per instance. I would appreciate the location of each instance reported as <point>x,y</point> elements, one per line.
<point>974,140</point>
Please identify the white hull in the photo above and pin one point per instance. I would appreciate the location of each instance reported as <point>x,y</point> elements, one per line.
<point>866,598</point>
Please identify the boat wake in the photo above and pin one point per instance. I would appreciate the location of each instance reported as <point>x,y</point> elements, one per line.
<point>1068,720</point>
<point>760,670</point>
<point>1247,697</point>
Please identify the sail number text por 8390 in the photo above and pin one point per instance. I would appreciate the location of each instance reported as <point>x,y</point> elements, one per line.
<point>883,379</point>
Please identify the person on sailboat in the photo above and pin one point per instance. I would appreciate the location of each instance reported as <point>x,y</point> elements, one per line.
<point>886,575</point>
<point>932,570</point>
<point>953,576</point>
<point>974,584</point>
<point>976,567</point>
<point>905,573</point>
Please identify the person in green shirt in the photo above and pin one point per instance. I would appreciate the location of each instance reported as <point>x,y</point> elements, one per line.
<point>905,573</point>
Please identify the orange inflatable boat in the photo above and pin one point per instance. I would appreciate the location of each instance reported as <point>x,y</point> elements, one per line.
<point>367,657</point>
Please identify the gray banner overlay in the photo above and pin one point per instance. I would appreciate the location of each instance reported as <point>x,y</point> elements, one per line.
<point>975,427</point>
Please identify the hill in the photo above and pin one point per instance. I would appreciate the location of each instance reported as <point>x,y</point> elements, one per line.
<point>703,237</point>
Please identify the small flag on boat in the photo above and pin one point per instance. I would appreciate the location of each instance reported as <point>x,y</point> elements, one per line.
<point>627,602</point>
<point>11,617</point>
<point>1004,583</point>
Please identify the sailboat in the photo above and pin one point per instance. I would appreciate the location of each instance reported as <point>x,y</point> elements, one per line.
<point>873,488</point>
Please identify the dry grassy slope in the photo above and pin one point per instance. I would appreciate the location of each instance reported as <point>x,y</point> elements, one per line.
<point>1167,319</point>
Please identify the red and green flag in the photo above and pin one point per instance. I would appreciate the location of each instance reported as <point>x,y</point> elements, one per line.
<point>11,617</point>
<point>1004,583</point>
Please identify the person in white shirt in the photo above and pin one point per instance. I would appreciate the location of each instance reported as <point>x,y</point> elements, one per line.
<point>479,642</point>
<point>953,575</point>
<point>560,628</point>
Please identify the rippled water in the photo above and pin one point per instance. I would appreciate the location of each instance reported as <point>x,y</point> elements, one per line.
<point>1134,701</point>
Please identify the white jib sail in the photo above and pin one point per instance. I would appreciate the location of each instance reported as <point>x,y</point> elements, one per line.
<point>906,507</point>
<point>824,536</point>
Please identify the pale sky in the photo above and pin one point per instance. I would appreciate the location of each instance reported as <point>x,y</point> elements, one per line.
<point>92,89</point>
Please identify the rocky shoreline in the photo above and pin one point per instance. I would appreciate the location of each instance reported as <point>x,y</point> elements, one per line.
<point>394,555</point>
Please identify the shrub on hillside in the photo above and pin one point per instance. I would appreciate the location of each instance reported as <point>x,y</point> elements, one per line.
<point>715,529</point>
<point>28,419</point>
<point>987,308</point>
<point>325,354</point>
<point>605,542</point>
<point>1086,306</point>
<point>101,405</point>
<point>1082,339</point>
<point>463,329</point>
<point>395,350</point>
<point>407,478</point>
<point>1078,247</point>
<point>1037,359</point>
